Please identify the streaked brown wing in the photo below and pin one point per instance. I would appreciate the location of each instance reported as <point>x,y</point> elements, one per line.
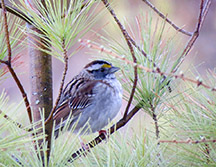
<point>76,101</point>
<point>83,97</point>
<point>62,112</point>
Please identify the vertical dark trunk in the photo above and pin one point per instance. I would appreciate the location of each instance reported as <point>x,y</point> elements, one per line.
<point>41,85</point>
<point>41,80</point>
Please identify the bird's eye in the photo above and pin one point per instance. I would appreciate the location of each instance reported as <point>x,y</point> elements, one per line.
<point>102,69</point>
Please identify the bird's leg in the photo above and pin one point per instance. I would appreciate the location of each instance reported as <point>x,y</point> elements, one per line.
<point>104,132</point>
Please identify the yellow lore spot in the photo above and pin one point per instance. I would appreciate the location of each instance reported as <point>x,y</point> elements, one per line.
<point>106,66</point>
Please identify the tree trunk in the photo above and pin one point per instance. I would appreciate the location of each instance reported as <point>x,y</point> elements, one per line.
<point>41,84</point>
<point>41,80</point>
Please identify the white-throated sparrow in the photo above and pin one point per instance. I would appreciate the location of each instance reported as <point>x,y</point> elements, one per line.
<point>93,96</point>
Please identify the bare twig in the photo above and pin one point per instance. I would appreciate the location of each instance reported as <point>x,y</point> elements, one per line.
<point>17,13</point>
<point>4,12</point>
<point>189,141</point>
<point>157,131</point>
<point>202,14</point>
<point>21,88</point>
<point>167,20</point>
<point>142,51</point>
<point>62,82</point>
<point>154,117</point>
<point>8,63</point>
<point>122,122</point>
<point>206,9</point>
<point>2,61</point>
<point>127,38</point>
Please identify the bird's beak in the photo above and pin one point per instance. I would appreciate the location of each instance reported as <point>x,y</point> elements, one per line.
<point>113,69</point>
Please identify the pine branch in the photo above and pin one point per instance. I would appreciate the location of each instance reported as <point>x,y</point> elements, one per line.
<point>17,13</point>
<point>8,63</point>
<point>4,12</point>
<point>127,39</point>
<point>189,141</point>
<point>166,19</point>
<point>14,122</point>
<point>181,76</point>
<point>154,117</point>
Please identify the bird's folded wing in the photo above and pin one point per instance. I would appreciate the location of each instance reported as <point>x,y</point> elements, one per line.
<point>76,102</point>
<point>83,98</point>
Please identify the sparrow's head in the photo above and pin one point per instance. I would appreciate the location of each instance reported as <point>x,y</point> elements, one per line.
<point>101,69</point>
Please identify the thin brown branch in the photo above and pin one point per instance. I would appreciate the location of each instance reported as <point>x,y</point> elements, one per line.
<point>189,141</point>
<point>205,10</point>
<point>11,120</point>
<point>202,14</point>
<point>157,131</point>
<point>166,19</point>
<point>142,51</point>
<point>4,12</point>
<point>17,13</point>
<point>8,63</point>
<point>154,117</point>
<point>122,122</point>
<point>62,82</point>
<point>21,88</point>
<point>3,62</point>
<point>127,38</point>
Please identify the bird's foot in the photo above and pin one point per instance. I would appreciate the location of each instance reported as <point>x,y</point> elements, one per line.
<point>104,132</point>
